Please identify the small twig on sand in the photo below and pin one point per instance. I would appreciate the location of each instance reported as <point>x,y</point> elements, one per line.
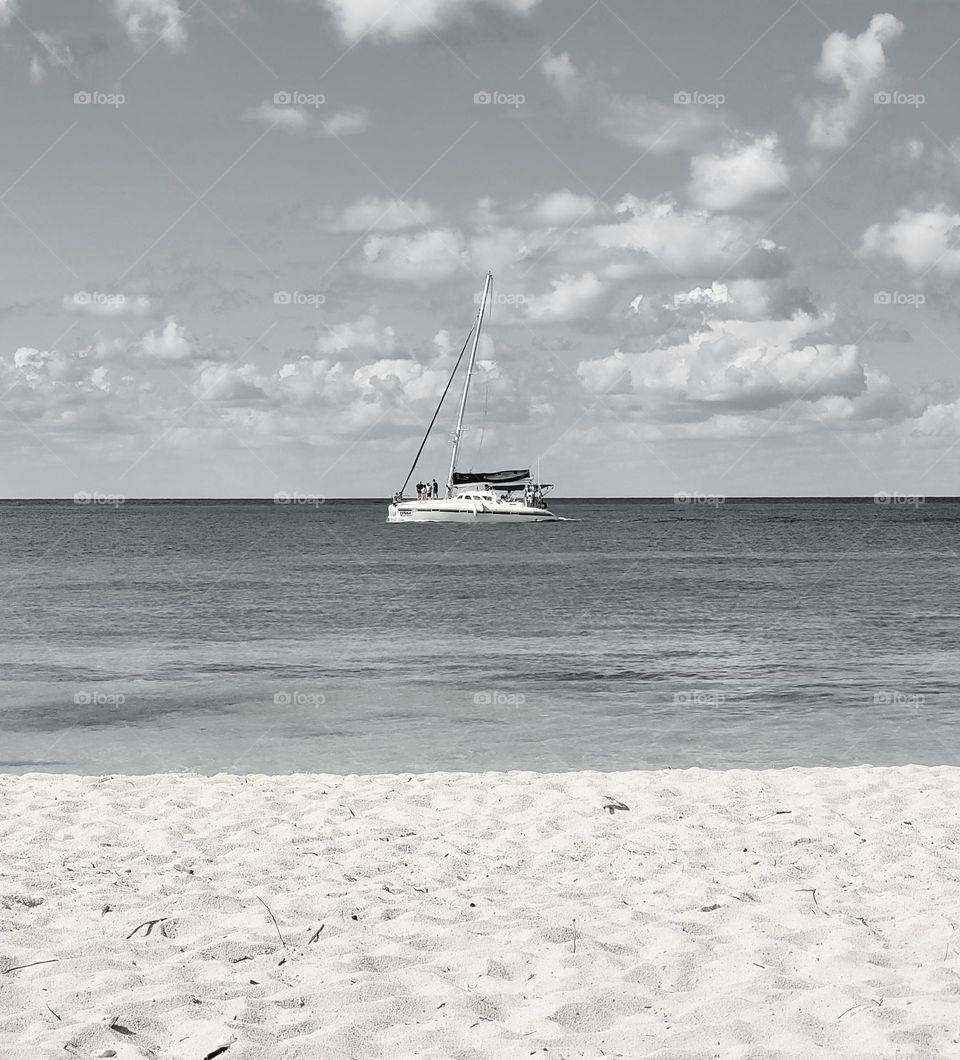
<point>149,925</point>
<point>316,934</point>
<point>813,891</point>
<point>60,1018</point>
<point>273,918</point>
<point>17,967</point>
<point>574,936</point>
<point>862,1004</point>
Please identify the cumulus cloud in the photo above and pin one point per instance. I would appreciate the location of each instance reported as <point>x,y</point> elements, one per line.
<point>555,209</point>
<point>571,298</point>
<point>857,65</point>
<point>656,127</point>
<point>422,258</point>
<point>294,119</point>
<point>665,237</point>
<point>734,366</point>
<point>107,304</point>
<point>170,343</point>
<point>363,335</point>
<point>737,176</point>
<point>357,398</point>
<point>67,394</point>
<point>631,239</point>
<point>229,384</point>
<point>8,9</point>
<point>389,20</point>
<point>923,241</point>
<point>668,318</point>
<point>374,213</point>
<point>347,122</point>
<point>146,20</point>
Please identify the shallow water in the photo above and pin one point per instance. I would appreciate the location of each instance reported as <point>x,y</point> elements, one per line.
<point>253,637</point>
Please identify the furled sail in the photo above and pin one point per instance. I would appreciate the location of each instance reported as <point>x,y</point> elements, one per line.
<point>493,478</point>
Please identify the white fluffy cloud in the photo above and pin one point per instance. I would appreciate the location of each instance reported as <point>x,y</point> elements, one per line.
<point>635,238</point>
<point>421,258</point>
<point>363,335</point>
<point>738,175</point>
<point>229,384</point>
<point>857,65</point>
<point>374,213</point>
<point>923,241</point>
<point>650,124</point>
<point>170,343</point>
<point>555,209</point>
<point>347,122</point>
<point>293,119</point>
<point>103,304</point>
<point>571,298</point>
<point>146,20</point>
<point>734,367</point>
<point>390,20</point>
<point>667,238</point>
<point>8,8</point>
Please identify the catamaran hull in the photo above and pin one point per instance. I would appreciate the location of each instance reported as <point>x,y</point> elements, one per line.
<point>452,511</point>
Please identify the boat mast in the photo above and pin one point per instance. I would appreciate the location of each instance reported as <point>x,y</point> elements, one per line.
<point>466,383</point>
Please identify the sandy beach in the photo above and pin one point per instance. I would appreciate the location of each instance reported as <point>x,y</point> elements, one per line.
<point>740,914</point>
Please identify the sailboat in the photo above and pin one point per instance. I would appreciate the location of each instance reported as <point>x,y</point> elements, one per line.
<point>511,496</point>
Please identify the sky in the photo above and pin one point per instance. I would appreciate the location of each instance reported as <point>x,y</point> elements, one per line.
<point>242,244</point>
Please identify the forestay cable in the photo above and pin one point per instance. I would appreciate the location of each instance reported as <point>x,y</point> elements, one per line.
<point>413,467</point>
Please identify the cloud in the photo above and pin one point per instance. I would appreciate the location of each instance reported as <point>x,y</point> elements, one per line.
<point>572,298</point>
<point>299,120</point>
<point>147,20</point>
<point>390,20</point>
<point>54,52</point>
<point>616,244</point>
<point>923,241</point>
<point>171,343</point>
<point>107,304</point>
<point>656,127</point>
<point>663,237</point>
<point>293,119</point>
<point>346,122</point>
<point>857,65</point>
<point>68,395</point>
<point>229,384</point>
<point>8,10</point>
<point>372,213</point>
<point>555,209</point>
<point>363,335</point>
<point>733,367</point>
<point>734,178</point>
<point>563,208</point>
<point>424,257</point>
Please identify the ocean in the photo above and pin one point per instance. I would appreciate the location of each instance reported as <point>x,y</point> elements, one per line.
<point>248,637</point>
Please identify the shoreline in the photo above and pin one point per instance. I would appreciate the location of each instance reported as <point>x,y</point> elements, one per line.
<point>742,913</point>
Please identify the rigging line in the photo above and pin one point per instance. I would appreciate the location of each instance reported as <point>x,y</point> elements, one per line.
<point>437,412</point>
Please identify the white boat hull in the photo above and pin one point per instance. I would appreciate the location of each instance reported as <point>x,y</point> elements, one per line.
<point>459,510</point>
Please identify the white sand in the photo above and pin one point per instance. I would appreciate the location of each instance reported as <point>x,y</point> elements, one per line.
<point>490,915</point>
